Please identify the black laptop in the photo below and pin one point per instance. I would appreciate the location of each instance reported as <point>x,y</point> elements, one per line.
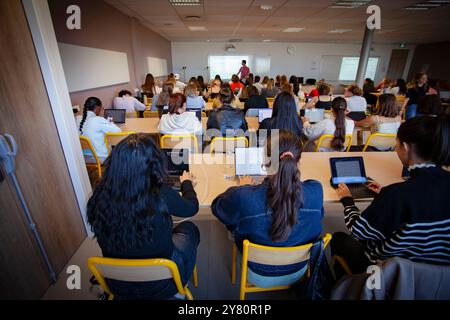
<point>351,171</point>
<point>118,115</point>
<point>177,163</point>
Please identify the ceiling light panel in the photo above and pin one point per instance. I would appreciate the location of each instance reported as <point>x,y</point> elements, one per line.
<point>186,2</point>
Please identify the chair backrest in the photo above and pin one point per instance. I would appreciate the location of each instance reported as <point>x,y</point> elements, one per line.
<point>278,256</point>
<point>252,113</point>
<point>86,144</point>
<point>224,144</point>
<point>381,140</point>
<point>133,114</point>
<point>113,138</point>
<point>187,141</point>
<point>151,114</point>
<point>134,270</point>
<point>326,139</point>
<point>204,115</point>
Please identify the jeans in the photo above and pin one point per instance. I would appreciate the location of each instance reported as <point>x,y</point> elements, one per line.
<point>411,111</point>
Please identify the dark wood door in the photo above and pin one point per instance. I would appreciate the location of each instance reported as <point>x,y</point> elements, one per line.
<point>397,64</point>
<point>25,113</point>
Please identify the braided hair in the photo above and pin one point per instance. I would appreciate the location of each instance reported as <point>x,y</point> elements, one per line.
<point>90,105</point>
<point>339,105</point>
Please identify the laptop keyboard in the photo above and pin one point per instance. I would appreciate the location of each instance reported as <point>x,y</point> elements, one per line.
<point>360,191</point>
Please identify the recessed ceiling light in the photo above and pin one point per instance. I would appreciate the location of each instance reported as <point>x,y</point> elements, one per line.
<point>266,7</point>
<point>186,2</point>
<point>267,40</point>
<point>340,31</point>
<point>192,18</point>
<point>349,4</point>
<point>427,5</point>
<point>293,30</point>
<point>196,28</point>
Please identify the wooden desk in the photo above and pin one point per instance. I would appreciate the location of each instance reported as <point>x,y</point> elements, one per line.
<point>150,125</point>
<point>384,167</point>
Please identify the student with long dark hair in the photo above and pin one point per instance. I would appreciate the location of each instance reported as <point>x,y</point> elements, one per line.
<point>149,88</point>
<point>282,211</point>
<point>295,84</point>
<point>161,100</point>
<point>399,88</point>
<point>338,125</point>
<point>255,100</point>
<point>408,219</point>
<point>284,116</point>
<point>94,126</point>
<point>131,210</point>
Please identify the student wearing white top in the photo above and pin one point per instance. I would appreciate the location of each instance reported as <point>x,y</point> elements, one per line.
<point>258,84</point>
<point>193,100</point>
<point>180,85</point>
<point>338,125</point>
<point>178,121</point>
<point>126,101</point>
<point>94,127</point>
<point>356,102</point>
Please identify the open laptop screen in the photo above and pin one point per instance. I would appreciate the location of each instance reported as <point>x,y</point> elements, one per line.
<point>348,170</point>
<point>250,162</point>
<point>264,114</point>
<point>196,112</point>
<point>118,115</point>
<point>314,115</point>
<point>177,161</point>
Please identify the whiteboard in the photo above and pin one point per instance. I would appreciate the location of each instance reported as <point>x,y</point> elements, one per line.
<point>157,67</point>
<point>89,68</point>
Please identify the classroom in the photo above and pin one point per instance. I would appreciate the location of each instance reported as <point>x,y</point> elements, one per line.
<point>270,150</point>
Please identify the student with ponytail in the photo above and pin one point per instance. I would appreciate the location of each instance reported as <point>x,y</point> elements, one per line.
<point>94,127</point>
<point>338,125</point>
<point>282,211</point>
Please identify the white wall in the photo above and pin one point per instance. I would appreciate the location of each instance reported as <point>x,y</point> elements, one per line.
<point>306,62</point>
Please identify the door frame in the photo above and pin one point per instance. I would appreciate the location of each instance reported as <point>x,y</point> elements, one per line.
<point>46,45</point>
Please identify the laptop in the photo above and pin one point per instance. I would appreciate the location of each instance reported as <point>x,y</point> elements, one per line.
<point>177,163</point>
<point>196,112</point>
<point>314,115</point>
<point>264,113</point>
<point>250,162</point>
<point>118,115</point>
<point>351,171</point>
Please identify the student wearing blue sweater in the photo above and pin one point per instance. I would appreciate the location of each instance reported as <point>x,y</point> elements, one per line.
<point>282,211</point>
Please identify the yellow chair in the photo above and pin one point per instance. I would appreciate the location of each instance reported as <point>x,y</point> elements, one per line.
<point>381,140</point>
<point>325,142</point>
<point>275,256</point>
<point>133,114</point>
<point>138,270</point>
<point>187,141</point>
<point>204,115</point>
<point>223,145</point>
<point>113,138</point>
<point>151,114</point>
<point>87,145</point>
<point>341,261</point>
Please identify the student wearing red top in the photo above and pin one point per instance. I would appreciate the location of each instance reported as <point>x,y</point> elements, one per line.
<point>235,84</point>
<point>244,70</point>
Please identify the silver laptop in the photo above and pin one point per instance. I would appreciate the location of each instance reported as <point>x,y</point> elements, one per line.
<point>250,162</point>
<point>315,115</point>
<point>264,114</point>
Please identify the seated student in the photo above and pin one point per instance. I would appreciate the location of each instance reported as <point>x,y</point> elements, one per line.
<point>94,127</point>
<point>236,84</point>
<point>398,88</point>
<point>433,87</point>
<point>193,100</point>
<point>178,121</point>
<point>287,87</point>
<point>417,89</point>
<point>282,211</point>
<point>258,84</point>
<point>255,101</point>
<point>355,101</point>
<point>149,87</point>
<point>323,100</point>
<point>430,105</point>
<point>408,219</point>
<point>161,100</point>
<point>202,87</point>
<point>126,101</point>
<point>244,93</point>
<point>338,125</point>
<point>131,210</point>
<point>383,85</point>
<point>293,80</point>
<point>310,89</point>
<point>284,116</point>
<point>227,118</point>
<point>214,91</point>
<point>271,90</point>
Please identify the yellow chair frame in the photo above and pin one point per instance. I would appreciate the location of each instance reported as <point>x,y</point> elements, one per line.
<point>91,148</point>
<point>224,139</point>
<point>341,261</point>
<point>133,114</point>
<point>151,114</point>
<point>247,245</point>
<point>330,136</point>
<point>182,136</point>
<point>381,135</point>
<point>137,263</point>
<point>115,134</point>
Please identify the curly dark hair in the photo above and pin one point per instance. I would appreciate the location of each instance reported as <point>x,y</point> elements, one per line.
<point>121,208</point>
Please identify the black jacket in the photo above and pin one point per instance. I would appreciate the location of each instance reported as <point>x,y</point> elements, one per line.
<point>227,118</point>
<point>256,102</point>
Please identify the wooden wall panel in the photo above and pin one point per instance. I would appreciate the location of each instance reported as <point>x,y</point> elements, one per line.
<point>25,112</point>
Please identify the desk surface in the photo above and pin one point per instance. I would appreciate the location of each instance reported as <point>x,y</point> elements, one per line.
<point>150,125</point>
<point>384,167</point>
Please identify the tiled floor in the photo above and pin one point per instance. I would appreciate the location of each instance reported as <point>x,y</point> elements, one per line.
<point>213,263</point>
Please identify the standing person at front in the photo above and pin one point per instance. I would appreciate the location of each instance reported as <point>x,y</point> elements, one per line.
<point>131,211</point>
<point>417,89</point>
<point>244,71</point>
<point>282,211</point>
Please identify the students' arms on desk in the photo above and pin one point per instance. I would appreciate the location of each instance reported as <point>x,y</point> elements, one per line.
<point>185,205</point>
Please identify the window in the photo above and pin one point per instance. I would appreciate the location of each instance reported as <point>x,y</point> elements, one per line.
<point>225,66</point>
<point>349,68</point>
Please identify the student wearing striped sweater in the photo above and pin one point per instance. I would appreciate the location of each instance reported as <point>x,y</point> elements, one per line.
<point>410,219</point>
